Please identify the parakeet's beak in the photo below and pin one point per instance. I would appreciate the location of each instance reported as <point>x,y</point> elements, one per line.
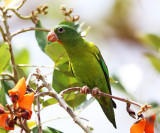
<point>52,36</point>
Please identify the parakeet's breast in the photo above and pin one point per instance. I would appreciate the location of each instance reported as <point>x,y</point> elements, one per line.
<point>87,70</point>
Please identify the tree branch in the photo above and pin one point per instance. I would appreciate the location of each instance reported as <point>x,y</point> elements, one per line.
<point>38,115</point>
<point>3,34</point>
<point>28,65</point>
<point>21,4</point>
<point>102,94</point>
<point>8,39</point>
<point>62,103</point>
<point>8,75</point>
<point>18,15</point>
<point>29,29</point>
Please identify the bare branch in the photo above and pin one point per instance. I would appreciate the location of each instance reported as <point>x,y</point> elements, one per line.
<point>62,103</point>
<point>21,4</point>
<point>8,39</point>
<point>29,29</point>
<point>38,115</point>
<point>102,94</point>
<point>28,65</point>
<point>3,34</point>
<point>19,15</point>
<point>8,75</point>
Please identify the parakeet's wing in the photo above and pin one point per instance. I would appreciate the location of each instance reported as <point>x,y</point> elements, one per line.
<point>104,67</point>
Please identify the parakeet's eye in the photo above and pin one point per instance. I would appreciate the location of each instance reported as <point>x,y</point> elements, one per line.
<point>61,30</point>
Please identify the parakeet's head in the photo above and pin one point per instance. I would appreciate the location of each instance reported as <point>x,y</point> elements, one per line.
<point>64,34</point>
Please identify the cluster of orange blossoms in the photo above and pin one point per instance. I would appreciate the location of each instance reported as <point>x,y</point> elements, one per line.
<point>144,125</point>
<point>22,104</point>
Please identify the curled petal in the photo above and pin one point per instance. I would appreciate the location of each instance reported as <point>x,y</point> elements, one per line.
<point>149,128</point>
<point>138,127</point>
<point>19,90</point>
<point>5,122</point>
<point>26,103</point>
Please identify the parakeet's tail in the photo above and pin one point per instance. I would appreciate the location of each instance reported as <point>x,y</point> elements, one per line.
<point>107,107</point>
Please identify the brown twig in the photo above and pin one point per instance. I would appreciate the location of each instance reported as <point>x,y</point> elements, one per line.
<point>8,39</point>
<point>19,15</point>
<point>38,115</point>
<point>3,34</point>
<point>8,75</point>
<point>29,29</point>
<point>21,4</point>
<point>102,94</point>
<point>29,65</point>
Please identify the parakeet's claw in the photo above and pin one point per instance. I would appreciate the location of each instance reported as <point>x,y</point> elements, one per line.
<point>84,90</point>
<point>95,92</point>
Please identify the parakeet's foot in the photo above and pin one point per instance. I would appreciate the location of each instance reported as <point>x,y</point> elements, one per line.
<point>95,92</point>
<point>84,90</point>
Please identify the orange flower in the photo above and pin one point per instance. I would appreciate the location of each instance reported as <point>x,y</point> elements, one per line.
<point>26,103</point>
<point>19,90</point>
<point>3,122</point>
<point>138,127</point>
<point>145,125</point>
<point>149,128</point>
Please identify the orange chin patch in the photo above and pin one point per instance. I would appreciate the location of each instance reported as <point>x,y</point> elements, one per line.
<point>60,42</point>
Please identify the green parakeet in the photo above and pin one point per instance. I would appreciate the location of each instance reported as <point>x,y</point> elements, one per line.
<point>86,64</point>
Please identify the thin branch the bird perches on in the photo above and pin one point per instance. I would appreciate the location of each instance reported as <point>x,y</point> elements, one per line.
<point>102,94</point>
<point>61,102</point>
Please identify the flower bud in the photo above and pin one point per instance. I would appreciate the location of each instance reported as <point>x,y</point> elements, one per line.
<point>1,109</point>
<point>19,90</point>
<point>14,98</point>
<point>25,114</point>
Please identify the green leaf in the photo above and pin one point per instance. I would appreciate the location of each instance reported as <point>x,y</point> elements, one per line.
<point>118,84</point>
<point>46,130</point>
<point>22,57</point>
<point>120,87</point>
<point>7,85</point>
<point>41,101</point>
<point>41,37</point>
<point>152,41</point>
<point>154,60</point>
<point>85,32</point>
<point>3,100</point>
<point>84,105</point>
<point>49,102</point>
<point>74,99</point>
<point>2,130</point>
<point>61,82</point>
<point>31,123</point>
<point>20,72</point>
<point>57,53</point>
<point>5,57</point>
